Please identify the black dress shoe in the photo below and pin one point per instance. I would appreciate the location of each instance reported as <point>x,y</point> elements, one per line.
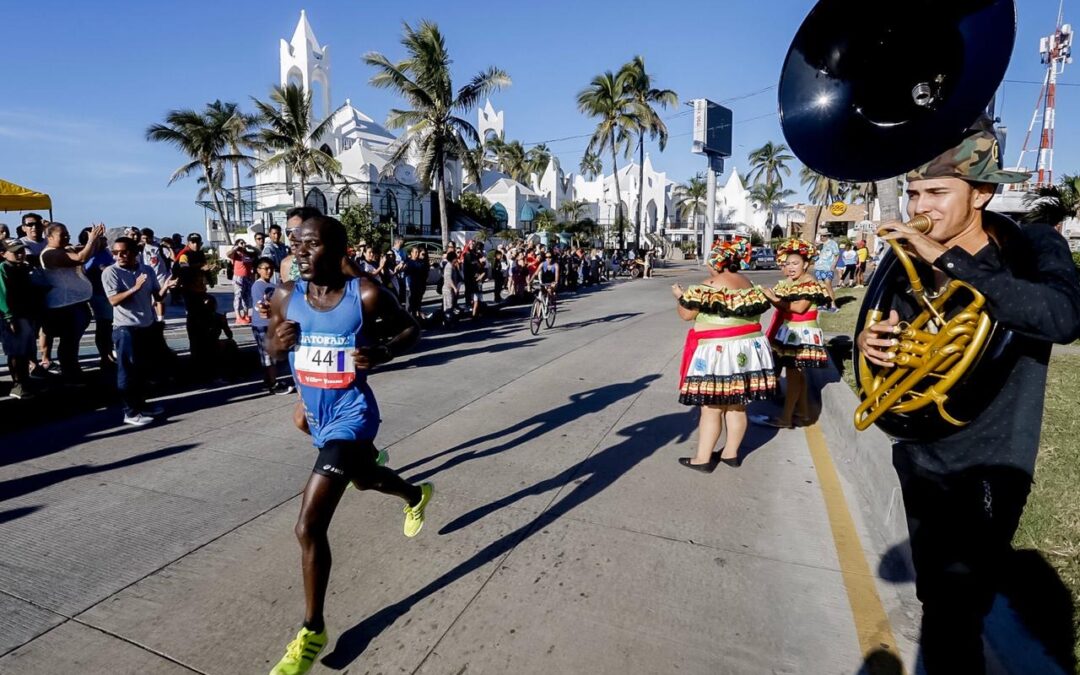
<point>734,462</point>
<point>703,468</point>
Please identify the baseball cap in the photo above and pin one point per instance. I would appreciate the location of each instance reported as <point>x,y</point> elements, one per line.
<point>12,245</point>
<point>976,159</point>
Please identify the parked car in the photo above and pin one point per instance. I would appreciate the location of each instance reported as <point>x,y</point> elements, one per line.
<point>763,259</point>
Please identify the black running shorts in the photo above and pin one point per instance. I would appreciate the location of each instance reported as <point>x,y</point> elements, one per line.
<point>346,459</point>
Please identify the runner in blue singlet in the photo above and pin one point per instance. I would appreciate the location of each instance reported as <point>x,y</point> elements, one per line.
<point>326,323</point>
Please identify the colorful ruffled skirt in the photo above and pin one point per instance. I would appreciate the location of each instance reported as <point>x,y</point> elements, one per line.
<point>800,344</point>
<point>727,366</point>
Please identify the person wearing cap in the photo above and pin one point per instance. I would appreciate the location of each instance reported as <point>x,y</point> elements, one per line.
<point>964,493</point>
<point>20,304</point>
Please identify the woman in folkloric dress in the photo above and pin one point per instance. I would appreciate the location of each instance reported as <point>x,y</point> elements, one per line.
<point>794,332</point>
<point>726,360</point>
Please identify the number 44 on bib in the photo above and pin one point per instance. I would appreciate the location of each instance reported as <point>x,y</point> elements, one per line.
<point>325,361</point>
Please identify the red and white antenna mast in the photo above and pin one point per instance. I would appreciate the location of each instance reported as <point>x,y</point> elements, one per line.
<point>1055,52</point>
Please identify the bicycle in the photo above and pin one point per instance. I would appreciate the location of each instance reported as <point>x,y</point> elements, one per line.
<point>543,309</point>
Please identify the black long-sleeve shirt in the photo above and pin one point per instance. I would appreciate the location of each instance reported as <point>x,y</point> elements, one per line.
<point>1031,288</point>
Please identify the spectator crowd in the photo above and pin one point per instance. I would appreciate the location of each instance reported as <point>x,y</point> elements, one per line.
<point>53,287</point>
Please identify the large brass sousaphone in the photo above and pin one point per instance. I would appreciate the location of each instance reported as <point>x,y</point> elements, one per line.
<point>867,97</point>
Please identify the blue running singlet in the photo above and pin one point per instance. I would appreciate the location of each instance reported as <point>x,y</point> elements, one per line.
<point>338,403</point>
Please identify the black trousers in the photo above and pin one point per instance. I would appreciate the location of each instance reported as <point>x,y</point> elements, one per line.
<point>961,526</point>
<point>67,324</point>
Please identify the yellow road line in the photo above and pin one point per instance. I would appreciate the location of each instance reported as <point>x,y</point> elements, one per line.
<point>871,621</point>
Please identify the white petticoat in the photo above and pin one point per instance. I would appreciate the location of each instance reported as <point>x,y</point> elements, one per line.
<point>732,356</point>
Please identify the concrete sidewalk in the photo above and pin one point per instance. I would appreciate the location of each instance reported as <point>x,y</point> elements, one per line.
<point>564,536</point>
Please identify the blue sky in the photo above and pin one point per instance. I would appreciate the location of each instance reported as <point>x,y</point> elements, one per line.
<point>84,80</point>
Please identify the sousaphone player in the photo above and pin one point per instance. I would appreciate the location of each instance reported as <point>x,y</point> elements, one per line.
<point>964,491</point>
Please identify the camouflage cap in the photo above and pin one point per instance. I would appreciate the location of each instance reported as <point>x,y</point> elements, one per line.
<point>977,159</point>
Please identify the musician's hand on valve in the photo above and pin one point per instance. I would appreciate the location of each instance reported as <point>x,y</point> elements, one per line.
<point>876,339</point>
<point>914,241</point>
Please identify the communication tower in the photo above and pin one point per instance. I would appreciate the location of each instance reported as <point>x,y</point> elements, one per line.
<point>1055,51</point>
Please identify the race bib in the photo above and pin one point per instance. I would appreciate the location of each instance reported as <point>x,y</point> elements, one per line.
<point>325,361</point>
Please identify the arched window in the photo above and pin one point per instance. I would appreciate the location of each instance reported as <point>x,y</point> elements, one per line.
<point>345,199</point>
<point>316,200</point>
<point>326,148</point>
<point>388,210</point>
<point>501,216</point>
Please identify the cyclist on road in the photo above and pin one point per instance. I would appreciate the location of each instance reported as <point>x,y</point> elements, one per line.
<point>548,271</point>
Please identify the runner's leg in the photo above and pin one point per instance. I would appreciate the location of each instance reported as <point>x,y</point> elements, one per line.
<point>321,497</point>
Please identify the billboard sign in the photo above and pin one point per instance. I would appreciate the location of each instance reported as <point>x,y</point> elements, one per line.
<point>712,129</point>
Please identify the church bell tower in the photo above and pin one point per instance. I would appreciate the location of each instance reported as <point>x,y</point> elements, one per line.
<point>306,63</point>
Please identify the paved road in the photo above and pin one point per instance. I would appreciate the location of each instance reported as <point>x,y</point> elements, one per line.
<point>563,537</point>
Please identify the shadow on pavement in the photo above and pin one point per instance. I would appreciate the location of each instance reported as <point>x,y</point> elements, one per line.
<point>583,403</point>
<point>599,472</point>
<point>611,318</point>
<point>425,360</point>
<point>15,514</point>
<point>881,662</point>
<point>17,487</point>
<point>94,425</point>
<point>1043,605</point>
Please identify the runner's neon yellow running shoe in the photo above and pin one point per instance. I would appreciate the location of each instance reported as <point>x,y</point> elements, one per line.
<point>414,515</point>
<point>301,653</point>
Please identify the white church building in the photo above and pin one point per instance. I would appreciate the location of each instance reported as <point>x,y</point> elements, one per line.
<point>398,201</point>
<point>358,142</point>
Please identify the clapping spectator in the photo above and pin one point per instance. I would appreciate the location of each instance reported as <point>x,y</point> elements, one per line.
<point>242,257</point>
<point>67,311</point>
<point>132,289</point>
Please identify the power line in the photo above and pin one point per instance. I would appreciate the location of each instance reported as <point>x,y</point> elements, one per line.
<point>679,135</point>
<point>677,115</point>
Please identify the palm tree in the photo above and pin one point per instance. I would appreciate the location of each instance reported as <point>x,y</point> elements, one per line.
<point>770,196</point>
<point>242,136</point>
<point>638,84</point>
<point>537,159</point>
<point>822,191</point>
<point>690,196</point>
<point>591,166</point>
<point>216,188</point>
<point>513,160</point>
<point>768,162</point>
<point>573,210</point>
<point>435,131</point>
<point>1054,204</point>
<point>289,130</point>
<point>606,99</point>
<point>204,138</point>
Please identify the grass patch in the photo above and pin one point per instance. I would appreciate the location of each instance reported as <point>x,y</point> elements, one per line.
<point>843,322</point>
<point>1051,520</point>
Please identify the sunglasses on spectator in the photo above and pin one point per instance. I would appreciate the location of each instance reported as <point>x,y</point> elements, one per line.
<point>122,251</point>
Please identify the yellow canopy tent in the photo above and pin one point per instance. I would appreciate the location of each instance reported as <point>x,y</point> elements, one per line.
<point>17,198</point>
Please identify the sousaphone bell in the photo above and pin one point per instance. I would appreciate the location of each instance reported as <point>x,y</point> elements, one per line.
<point>867,97</point>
